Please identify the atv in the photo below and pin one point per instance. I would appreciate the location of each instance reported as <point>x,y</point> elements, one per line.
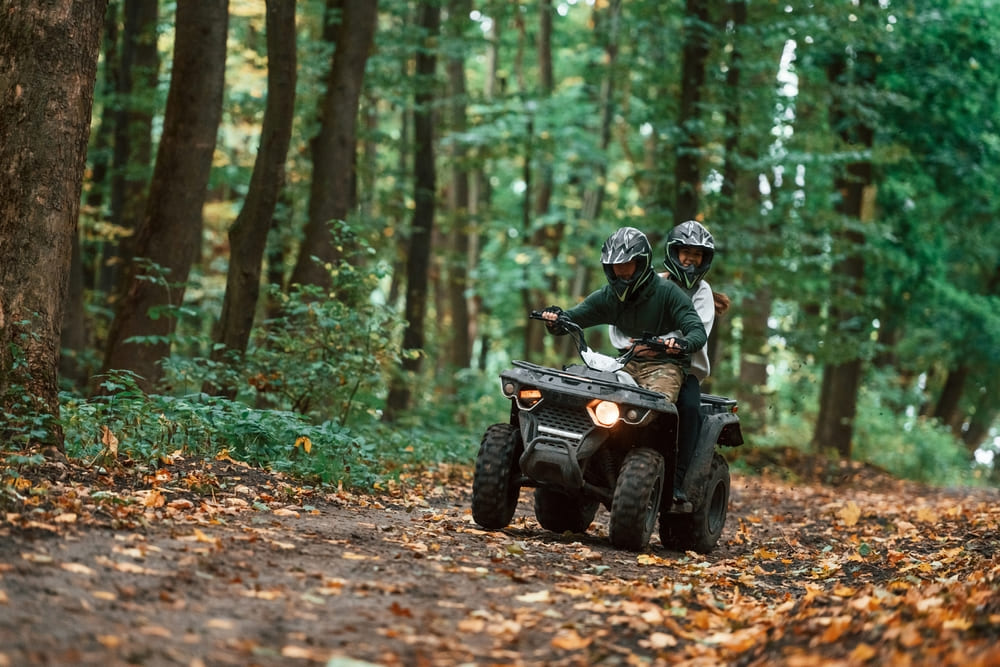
<point>588,435</point>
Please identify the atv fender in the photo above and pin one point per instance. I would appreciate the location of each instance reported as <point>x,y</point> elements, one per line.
<point>722,429</point>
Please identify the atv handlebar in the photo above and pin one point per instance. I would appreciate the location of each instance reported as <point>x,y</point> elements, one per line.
<point>646,341</point>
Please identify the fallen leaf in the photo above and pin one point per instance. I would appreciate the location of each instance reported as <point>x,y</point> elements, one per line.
<point>850,514</point>
<point>396,610</point>
<point>109,441</point>
<point>76,568</point>
<point>569,640</point>
<point>539,596</point>
<point>661,640</point>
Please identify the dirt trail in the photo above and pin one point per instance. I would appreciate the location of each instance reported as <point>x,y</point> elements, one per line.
<point>227,565</point>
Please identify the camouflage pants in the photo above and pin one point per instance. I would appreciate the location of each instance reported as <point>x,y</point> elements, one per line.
<point>658,375</point>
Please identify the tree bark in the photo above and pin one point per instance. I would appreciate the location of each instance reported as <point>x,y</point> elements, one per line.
<point>248,235</point>
<point>687,167</point>
<point>332,192</point>
<point>842,379</point>
<point>425,190</point>
<point>133,153</point>
<point>460,350</point>
<point>169,239</point>
<point>547,235</point>
<point>949,400</point>
<point>48,69</point>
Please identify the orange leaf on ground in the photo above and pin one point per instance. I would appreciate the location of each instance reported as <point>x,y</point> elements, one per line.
<point>569,640</point>
<point>850,513</point>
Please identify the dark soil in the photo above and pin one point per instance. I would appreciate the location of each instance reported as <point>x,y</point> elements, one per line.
<point>222,564</point>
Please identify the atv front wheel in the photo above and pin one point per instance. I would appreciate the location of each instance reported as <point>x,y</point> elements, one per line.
<point>700,531</point>
<point>494,483</point>
<point>636,500</point>
<point>559,512</point>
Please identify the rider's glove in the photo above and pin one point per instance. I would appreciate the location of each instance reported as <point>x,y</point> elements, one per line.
<point>682,346</point>
<point>556,327</point>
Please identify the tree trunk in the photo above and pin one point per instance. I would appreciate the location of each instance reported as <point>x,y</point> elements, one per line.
<point>248,235</point>
<point>169,239</point>
<point>547,236</point>
<point>754,359</point>
<point>687,168</point>
<point>133,154</point>
<point>842,379</point>
<point>332,190</point>
<point>459,330</point>
<point>425,190</point>
<point>74,339</point>
<point>48,69</point>
<point>947,408</point>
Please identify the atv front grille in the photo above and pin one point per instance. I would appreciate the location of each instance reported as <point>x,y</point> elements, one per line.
<point>564,422</point>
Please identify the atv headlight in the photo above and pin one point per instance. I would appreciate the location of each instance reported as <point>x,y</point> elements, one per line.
<point>528,397</point>
<point>604,413</point>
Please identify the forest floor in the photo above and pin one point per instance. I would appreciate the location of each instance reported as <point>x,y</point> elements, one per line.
<point>222,564</point>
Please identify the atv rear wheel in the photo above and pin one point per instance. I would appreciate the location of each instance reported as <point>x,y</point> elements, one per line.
<point>559,512</point>
<point>701,530</point>
<point>710,517</point>
<point>494,484</point>
<point>636,500</point>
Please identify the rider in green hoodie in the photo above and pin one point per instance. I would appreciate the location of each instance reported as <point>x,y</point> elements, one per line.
<point>638,302</point>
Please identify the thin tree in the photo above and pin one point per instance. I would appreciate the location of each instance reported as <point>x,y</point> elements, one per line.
<point>460,349</point>
<point>248,235</point>
<point>332,194</point>
<point>48,69</point>
<point>424,195</point>
<point>856,200</point>
<point>687,167</point>
<point>547,236</point>
<point>169,240</point>
<point>133,145</point>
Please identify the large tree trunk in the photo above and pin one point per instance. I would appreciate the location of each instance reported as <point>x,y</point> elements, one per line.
<point>170,235</point>
<point>248,235</point>
<point>334,150</point>
<point>48,68</point>
<point>425,190</point>
<point>842,378</point>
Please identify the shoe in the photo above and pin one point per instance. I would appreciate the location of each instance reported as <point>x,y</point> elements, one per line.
<point>681,502</point>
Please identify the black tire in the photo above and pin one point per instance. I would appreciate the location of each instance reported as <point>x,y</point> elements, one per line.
<point>494,484</point>
<point>710,517</point>
<point>637,499</point>
<point>559,512</point>
<point>701,530</point>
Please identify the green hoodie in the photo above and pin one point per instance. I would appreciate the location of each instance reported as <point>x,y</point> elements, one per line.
<point>658,308</point>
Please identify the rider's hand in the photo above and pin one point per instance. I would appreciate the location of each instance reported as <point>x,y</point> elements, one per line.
<point>676,345</point>
<point>554,320</point>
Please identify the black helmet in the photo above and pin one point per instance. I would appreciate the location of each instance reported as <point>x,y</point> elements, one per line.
<point>691,233</point>
<point>626,244</point>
